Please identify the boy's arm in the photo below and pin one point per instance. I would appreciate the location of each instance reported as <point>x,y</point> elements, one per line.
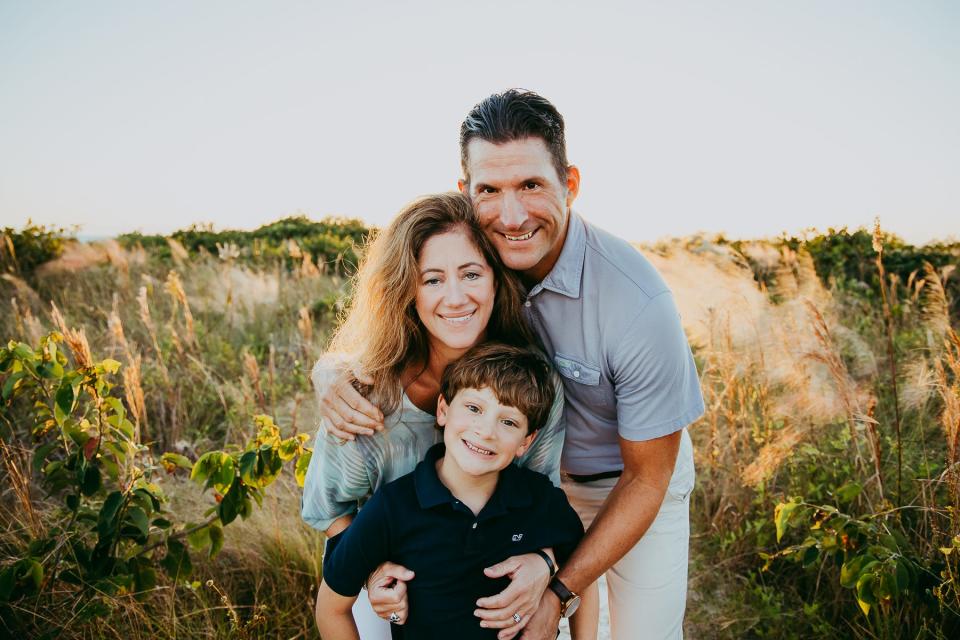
<point>334,614</point>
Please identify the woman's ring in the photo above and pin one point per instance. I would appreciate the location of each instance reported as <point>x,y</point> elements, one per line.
<point>394,617</point>
<point>517,618</point>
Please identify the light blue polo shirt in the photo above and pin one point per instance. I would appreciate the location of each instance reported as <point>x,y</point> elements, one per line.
<point>609,323</point>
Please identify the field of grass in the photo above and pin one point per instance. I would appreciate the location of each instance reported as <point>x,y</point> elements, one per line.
<point>828,493</point>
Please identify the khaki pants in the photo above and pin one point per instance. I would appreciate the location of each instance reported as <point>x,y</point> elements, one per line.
<point>647,588</point>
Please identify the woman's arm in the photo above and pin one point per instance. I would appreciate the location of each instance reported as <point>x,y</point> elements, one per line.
<point>334,615</point>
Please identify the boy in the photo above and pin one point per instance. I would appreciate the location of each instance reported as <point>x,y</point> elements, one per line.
<point>464,507</point>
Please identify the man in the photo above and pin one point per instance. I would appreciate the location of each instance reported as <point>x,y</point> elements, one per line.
<point>609,323</point>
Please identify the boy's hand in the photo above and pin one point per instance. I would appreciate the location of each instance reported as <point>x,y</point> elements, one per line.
<point>345,412</point>
<point>529,576</point>
<point>387,591</point>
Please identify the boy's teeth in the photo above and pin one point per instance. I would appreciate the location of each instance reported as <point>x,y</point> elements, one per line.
<point>477,449</point>
<point>525,236</point>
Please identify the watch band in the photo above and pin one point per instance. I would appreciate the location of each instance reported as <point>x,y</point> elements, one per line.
<point>569,601</point>
<point>546,558</point>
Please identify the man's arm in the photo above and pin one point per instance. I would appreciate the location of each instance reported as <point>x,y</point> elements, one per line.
<point>345,412</point>
<point>626,515</point>
<point>334,615</point>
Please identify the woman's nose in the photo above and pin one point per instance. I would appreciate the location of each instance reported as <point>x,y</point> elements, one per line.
<point>455,295</point>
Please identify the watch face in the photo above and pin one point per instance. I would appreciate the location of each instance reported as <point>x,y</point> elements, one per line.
<point>572,605</point>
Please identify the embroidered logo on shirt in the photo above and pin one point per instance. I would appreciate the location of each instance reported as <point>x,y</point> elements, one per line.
<point>517,537</point>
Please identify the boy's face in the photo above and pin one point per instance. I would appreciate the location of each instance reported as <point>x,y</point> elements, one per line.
<point>482,435</point>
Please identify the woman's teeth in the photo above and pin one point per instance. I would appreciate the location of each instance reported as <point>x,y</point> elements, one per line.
<point>477,449</point>
<point>459,319</point>
<point>525,236</point>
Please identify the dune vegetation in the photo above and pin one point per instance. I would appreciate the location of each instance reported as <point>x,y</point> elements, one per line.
<point>156,417</point>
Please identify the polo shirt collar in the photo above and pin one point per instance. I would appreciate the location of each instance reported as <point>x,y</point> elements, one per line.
<point>566,274</point>
<point>512,491</point>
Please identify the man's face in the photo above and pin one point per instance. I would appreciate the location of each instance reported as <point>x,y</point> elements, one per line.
<point>522,204</point>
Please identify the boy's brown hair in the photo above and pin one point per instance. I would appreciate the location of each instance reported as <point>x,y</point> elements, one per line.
<point>518,376</point>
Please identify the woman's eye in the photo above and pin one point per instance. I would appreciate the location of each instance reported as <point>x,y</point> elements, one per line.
<point>471,275</point>
<point>432,281</point>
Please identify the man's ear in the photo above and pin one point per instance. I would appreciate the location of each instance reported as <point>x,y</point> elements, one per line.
<point>526,443</point>
<point>463,186</point>
<point>573,184</point>
<point>441,411</point>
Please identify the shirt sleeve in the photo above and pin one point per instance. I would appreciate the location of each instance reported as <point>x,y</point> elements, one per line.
<point>655,377</point>
<point>353,554</point>
<point>337,476</point>
<point>543,456</point>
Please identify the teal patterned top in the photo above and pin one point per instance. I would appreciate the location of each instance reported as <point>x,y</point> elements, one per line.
<point>341,477</point>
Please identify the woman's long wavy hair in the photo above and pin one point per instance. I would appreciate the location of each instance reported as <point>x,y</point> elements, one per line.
<point>381,326</point>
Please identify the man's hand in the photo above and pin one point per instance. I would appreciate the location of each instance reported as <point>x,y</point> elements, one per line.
<point>347,414</point>
<point>387,590</point>
<point>529,576</point>
<point>545,620</point>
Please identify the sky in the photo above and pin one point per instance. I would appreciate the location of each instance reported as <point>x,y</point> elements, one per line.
<point>748,118</point>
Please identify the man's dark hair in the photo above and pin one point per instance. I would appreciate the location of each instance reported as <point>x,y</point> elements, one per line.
<point>512,115</point>
<point>518,376</point>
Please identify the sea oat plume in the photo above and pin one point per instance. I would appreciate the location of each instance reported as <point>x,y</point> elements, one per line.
<point>76,339</point>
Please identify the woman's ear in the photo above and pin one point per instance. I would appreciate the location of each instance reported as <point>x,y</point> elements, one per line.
<point>441,411</point>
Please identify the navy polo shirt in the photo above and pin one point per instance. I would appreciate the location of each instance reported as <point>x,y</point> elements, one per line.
<point>416,522</point>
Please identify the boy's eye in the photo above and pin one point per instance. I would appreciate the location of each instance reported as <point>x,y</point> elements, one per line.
<point>510,423</point>
<point>472,408</point>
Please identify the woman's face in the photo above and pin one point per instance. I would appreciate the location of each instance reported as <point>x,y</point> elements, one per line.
<point>455,292</point>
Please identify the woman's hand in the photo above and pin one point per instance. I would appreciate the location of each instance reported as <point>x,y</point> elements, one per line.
<point>529,576</point>
<point>347,414</point>
<point>387,591</point>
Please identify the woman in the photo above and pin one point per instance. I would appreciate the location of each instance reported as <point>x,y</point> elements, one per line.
<point>430,287</point>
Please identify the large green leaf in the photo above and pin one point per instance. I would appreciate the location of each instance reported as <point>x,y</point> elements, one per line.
<point>232,503</point>
<point>136,525</point>
<point>107,521</point>
<point>303,463</point>
<point>781,516</point>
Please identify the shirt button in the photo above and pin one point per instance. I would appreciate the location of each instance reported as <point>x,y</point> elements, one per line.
<point>527,303</point>
<point>474,526</point>
<point>576,374</point>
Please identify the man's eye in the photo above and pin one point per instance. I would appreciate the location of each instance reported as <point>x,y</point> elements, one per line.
<point>487,190</point>
<point>531,185</point>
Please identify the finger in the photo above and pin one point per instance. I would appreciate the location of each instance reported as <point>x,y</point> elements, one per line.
<point>505,598</point>
<point>511,632</point>
<point>355,400</point>
<point>501,569</point>
<point>509,623</point>
<point>497,615</point>
<point>396,571</point>
<point>356,409</point>
<point>400,610</point>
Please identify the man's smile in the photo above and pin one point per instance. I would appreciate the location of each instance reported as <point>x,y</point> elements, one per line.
<point>520,238</point>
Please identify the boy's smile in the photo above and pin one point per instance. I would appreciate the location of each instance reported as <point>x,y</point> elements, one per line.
<point>481,435</point>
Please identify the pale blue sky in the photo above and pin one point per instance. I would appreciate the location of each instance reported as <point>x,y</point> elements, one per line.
<point>745,117</point>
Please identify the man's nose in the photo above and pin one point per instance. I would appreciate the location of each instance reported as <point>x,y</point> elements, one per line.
<point>512,214</point>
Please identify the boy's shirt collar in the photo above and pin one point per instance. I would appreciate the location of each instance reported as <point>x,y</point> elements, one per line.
<point>511,492</point>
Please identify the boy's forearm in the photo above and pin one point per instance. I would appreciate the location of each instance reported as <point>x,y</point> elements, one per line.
<point>334,615</point>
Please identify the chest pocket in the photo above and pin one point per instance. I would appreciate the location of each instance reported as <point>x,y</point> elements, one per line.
<point>576,371</point>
